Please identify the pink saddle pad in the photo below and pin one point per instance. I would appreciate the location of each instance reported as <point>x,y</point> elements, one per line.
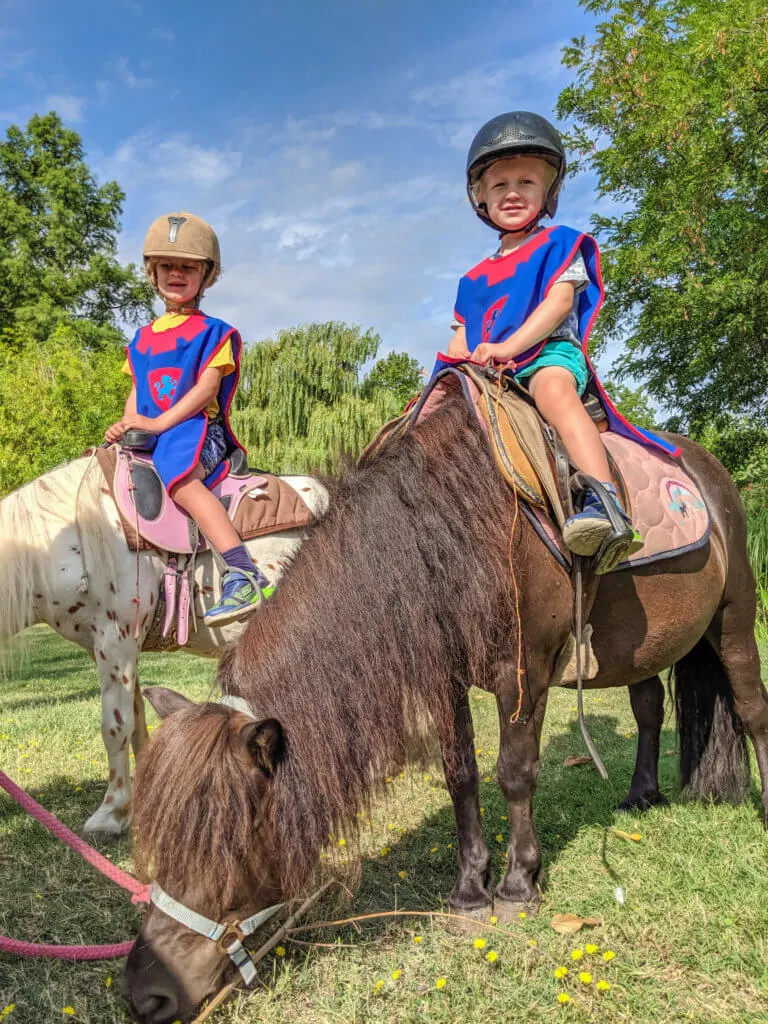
<point>668,508</point>
<point>168,526</point>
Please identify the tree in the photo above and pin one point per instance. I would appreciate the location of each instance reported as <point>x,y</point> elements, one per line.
<point>303,403</point>
<point>58,233</point>
<point>56,399</point>
<point>670,104</point>
<point>397,373</point>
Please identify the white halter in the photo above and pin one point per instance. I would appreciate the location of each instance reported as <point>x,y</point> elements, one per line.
<point>228,937</point>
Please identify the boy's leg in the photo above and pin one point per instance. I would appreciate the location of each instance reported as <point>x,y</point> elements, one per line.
<point>244,584</point>
<point>553,389</point>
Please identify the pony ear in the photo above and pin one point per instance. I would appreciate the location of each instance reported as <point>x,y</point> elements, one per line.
<point>166,701</point>
<point>265,742</point>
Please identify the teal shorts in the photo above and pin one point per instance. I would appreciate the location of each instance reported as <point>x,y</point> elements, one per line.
<point>558,353</point>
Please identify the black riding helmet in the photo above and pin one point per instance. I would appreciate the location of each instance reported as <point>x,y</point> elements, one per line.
<point>516,133</point>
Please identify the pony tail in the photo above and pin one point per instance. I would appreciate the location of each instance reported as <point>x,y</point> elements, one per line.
<point>714,759</point>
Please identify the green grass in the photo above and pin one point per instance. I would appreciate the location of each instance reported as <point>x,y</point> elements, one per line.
<point>691,940</point>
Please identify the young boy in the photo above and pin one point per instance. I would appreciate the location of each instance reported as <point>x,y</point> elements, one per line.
<point>185,366</point>
<point>531,305</point>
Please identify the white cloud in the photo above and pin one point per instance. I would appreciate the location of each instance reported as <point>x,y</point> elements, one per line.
<point>128,77</point>
<point>69,108</point>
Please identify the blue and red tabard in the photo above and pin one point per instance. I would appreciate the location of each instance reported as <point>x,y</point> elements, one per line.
<point>166,365</point>
<point>498,295</point>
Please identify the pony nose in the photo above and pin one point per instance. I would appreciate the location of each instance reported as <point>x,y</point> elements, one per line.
<point>155,1008</point>
<point>154,993</point>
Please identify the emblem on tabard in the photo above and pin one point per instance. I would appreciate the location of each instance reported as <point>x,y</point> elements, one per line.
<point>174,223</point>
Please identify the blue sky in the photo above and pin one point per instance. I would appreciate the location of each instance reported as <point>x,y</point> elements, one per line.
<point>325,141</point>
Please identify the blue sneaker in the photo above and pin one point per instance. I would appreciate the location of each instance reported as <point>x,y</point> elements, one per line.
<point>586,532</point>
<point>240,595</point>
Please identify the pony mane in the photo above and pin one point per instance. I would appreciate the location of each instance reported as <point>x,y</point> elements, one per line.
<point>399,599</point>
<point>207,816</point>
<point>31,518</point>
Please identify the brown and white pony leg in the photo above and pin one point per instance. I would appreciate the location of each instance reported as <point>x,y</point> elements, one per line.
<point>116,664</point>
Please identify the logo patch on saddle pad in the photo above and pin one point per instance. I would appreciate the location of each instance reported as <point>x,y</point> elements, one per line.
<point>163,383</point>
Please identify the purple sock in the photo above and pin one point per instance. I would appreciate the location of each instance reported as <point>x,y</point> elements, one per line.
<point>238,558</point>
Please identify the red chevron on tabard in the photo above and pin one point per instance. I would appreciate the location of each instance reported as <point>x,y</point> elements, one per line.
<point>502,267</point>
<point>168,341</point>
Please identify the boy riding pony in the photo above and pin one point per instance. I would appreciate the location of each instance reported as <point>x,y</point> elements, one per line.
<point>185,367</point>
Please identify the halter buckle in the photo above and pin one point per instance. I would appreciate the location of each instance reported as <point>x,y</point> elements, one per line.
<point>232,935</point>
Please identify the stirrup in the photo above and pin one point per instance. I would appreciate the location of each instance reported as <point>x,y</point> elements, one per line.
<point>619,541</point>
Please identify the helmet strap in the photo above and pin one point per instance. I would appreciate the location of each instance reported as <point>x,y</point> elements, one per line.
<point>526,229</point>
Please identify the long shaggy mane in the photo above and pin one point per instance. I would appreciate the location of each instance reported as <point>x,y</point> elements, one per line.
<point>400,600</point>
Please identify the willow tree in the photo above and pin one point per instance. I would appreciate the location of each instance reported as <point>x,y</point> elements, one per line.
<point>303,401</point>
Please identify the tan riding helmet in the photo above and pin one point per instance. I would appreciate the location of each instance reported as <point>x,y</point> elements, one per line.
<point>182,234</point>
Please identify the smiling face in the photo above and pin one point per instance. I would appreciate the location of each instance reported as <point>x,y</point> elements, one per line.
<point>514,190</point>
<point>179,279</point>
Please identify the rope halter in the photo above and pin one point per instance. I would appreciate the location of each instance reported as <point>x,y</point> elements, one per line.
<point>227,936</point>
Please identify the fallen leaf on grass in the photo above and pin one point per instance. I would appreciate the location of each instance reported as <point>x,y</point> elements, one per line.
<point>670,753</point>
<point>573,759</point>
<point>633,837</point>
<point>569,924</point>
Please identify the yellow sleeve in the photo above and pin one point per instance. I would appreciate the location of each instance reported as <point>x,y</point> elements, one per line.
<point>224,359</point>
<point>127,368</point>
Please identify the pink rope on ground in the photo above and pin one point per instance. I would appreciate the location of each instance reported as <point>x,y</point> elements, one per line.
<point>94,858</point>
<point>106,867</point>
<point>41,949</point>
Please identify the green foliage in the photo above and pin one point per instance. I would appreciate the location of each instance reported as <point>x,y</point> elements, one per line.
<point>301,404</point>
<point>670,104</point>
<point>57,399</point>
<point>633,404</point>
<point>397,373</point>
<point>58,233</point>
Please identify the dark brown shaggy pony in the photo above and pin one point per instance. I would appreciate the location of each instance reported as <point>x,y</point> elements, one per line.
<point>420,581</point>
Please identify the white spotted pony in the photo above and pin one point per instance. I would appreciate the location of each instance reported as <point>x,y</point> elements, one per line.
<point>51,531</point>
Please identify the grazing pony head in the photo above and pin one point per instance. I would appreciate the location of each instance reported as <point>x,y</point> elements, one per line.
<point>201,832</point>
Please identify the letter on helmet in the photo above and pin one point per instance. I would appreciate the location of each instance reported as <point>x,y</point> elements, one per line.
<point>183,235</point>
<point>516,133</point>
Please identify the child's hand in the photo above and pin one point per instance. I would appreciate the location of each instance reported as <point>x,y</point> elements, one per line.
<point>114,433</point>
<point>486,353</point>
<point>133,421</point>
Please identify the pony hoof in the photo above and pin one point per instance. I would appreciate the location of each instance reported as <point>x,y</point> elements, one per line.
<point>101,831</point>
<point>638,804</point>
<point>508,911</point>
<point>464,922</point>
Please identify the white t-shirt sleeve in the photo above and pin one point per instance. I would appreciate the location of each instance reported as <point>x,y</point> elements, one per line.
<point>576,273</point>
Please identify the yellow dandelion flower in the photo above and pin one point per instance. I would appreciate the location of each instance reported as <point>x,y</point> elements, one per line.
<point>417,939</point>
<point>402,874</point>
<point>108,982</point>
<point>577,954</point>
<point>560,972</point>
<point>385,850</point>
<point>602,985</point>
<point>585,977</point>
<point>591,947</point>
<point>522,915</point>
<point>7,1009</point>
<point>396,975</point>
<point>342,842</point>
<point>441,983</point>
<point>563,998</point>
<point>532,942</point>
<point>486,778</point>
<point>280,951</point>
<point>608,955</point>
<point>69,1010</point>
<point>482,812</point>
<point>379,985</point>
<point>479,943</point>
<point>434,849</point>
<point>494,920</point>
<point>499,838</point>
<point>491,956</point>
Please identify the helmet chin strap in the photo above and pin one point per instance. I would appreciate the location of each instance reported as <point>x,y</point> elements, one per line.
<point>526,229</point>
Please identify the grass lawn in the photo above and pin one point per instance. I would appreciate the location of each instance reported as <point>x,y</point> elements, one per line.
<point>690,940</point>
